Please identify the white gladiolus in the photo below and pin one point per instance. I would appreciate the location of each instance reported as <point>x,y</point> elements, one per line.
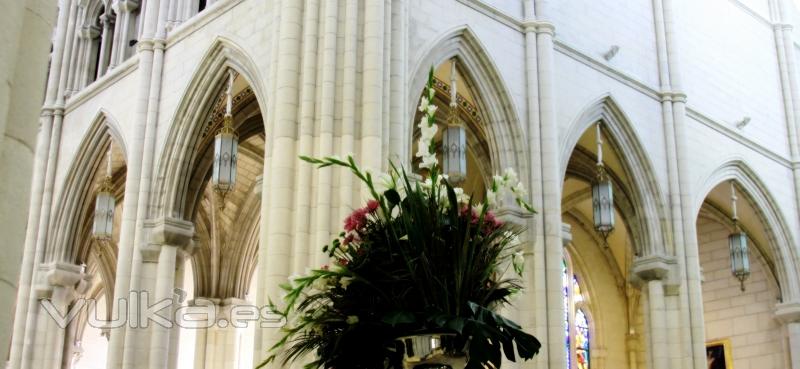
<point>427,132</point>
<point>461,196</point>
<point>386,182</point>
<point>345,281</point>
<point>491,197</point>
<point>518,259</point>
<point>423,104</point>
<point>320,284</point>
<point>519,189</point>
<point>510,176</point>
<point>432,109</point>
<point>500,181</point>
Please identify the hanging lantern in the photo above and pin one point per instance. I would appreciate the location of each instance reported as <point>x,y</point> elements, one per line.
<point>103,226</point>
<point>454,138</point>
<point>602,194</point>
<point>226,146</point>
<point>740,258</point>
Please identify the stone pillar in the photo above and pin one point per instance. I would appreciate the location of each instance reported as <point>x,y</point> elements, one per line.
<point>86,59</point>
<point>106,20</point>
<point>372,87</point>
<point>77,47</point>
<point>138,171</point>
<point>535,295</point>
<point>653,270</point>
<point>167,238</point>
<point>219,347</point>
<point>277,207</point>
<point>788,313</point>
<point>60,284</point>
<point>551,191</point>
<point>27,27</point>
<point>124,31</point>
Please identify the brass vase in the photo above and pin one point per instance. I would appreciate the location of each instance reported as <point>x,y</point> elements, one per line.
<point>432,351</point>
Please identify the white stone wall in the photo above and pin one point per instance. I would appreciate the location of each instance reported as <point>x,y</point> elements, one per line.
<point>730,69</point>
<point>726,50</point>
<point>746,318</point>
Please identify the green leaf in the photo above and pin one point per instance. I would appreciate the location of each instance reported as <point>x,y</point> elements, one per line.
<point>392,196</point>
<point>399,317</point>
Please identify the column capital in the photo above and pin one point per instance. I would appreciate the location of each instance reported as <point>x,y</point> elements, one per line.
<point>170,231</point>
<point>127,6</point>
<point>566,234</point>
<point>167,231</point>
<point>538,26</point>
<point>788,312</point>
<point>652,267</point>
<point>512,214</point>
<point>782,27</point>
<point>89,32</point>
<point>67,277</point>
<point>676,96</point>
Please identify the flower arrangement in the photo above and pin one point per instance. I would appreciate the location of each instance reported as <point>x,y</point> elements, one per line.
<point>420,256</point>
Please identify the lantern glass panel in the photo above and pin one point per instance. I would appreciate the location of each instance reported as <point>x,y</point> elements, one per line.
<point>225,155</point>
<point>103,225</point>
<point>603,205</point>
<point>740,260</point>
<point>454,147</point>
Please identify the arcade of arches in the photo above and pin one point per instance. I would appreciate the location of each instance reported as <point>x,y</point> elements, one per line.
<point>138,90</point>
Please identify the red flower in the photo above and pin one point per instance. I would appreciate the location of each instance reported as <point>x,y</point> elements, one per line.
<point>356,220</point>
<point>372,205</point>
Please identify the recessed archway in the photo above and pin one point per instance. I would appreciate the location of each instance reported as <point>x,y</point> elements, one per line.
<point>740,314</point>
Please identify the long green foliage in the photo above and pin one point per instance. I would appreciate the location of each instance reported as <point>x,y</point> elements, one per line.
<point>420,257</point>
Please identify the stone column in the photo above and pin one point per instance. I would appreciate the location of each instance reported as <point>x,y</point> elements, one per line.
<point>136,186</point>
<point>535,294</point>
<point>60,284</point>
<point>653,270</point>
<point>219,347</point>
<point>303,244</point>
<point>684,235</point>
<point>372,87</point>
<point>125,30</point>
<point>58,102</point>
<point>167,238</point>
<point>85,60</point>
<point>277,207</point>
<point>73,56</point>
<point>27,27</point>
<point>551,188</point>
<point>788,313</point>
<point>106,20</point>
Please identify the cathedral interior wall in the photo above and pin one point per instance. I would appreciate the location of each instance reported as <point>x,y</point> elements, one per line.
<point>746,318</point>
<point>730,69</point>
<point>708,150</point>
<point>593,27</point>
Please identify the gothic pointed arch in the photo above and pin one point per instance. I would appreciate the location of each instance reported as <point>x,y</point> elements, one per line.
<point>504,133</point>
<point>182,149</point>
<point>645,200</point>
<point>71,223</point>
<point>779,250</point>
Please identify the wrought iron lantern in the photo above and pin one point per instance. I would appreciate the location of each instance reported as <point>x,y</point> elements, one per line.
<point>454,140</point>
<point>103,226</point>
<point>226,146</point>
<point>740,254</point>
<point>602,194</point>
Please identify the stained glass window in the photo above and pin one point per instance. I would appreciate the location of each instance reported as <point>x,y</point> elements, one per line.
<point>576,322</point>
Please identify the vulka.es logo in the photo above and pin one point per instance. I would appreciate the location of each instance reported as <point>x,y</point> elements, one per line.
<point>137,311</point>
